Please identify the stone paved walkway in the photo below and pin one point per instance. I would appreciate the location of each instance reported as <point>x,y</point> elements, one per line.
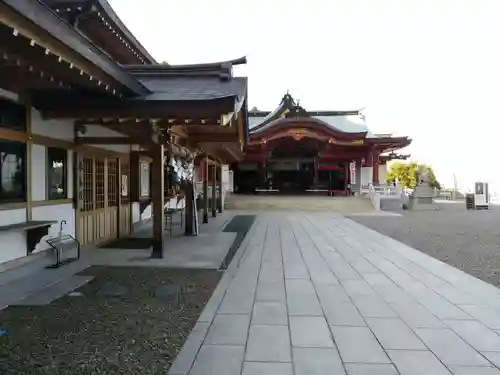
<point>316,294</point>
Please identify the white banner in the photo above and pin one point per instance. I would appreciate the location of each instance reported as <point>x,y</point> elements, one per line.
<point>352,168</point>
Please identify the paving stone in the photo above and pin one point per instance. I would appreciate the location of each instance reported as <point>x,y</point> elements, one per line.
<point>370,369</point>
<point>490,317</point>
<point>373,307</point>
<point>303,304</point>
<point>394,334</point>
<point>237,303</point>
<point>377,279</point>
<point>269,368</point>
<point>300,286</point>
<point>270,272</point>
<point>454,295</point>
<point>295,270</point>
<point>476,334</point>
<point>343,314</point>
<point>416,315</point>
<point>325,277</point>
<point>450,348</point>
<point>61,288</point>
<point>331,294</point>
<point>228,330</point>
<point>271,291</point>
<point>493,357</point>
<point>411,362</point>
<point>269,344</point>
<point>213,304</point>
<point>310,331</point>
<point>317,361</point>
<point>218,360</point>
<point>187,355</point>
<point>441,307</point>
<point>358,345</point>
<point>475,371</point>
<point>357,288</point>
<point>269,313</point>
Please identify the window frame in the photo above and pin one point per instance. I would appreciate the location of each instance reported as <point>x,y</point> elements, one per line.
<point>49,170</point>
<point>23,196</point>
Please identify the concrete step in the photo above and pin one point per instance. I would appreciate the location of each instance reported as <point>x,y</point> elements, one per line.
<point>54,291</point>
<point>342,205</point>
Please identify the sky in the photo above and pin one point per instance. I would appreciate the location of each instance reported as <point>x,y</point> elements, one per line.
<point>429,69</point>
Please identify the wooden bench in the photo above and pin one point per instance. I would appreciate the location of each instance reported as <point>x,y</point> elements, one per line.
<point>35,231</point>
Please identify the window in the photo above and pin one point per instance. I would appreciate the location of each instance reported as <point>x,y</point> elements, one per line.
<point>12,171</point>
<point>57,173</point>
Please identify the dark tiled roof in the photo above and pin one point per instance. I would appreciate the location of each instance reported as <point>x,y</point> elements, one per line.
<point>105,7</point>
<point>37,12</point>
<point>191,82</point>
<point>194,88</point>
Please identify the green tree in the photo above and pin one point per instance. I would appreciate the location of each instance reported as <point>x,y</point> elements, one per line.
<point>406,174</point>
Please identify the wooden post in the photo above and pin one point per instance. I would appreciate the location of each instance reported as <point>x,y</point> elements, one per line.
<point>221,193</point>
<point>205,190</point>
<point>315,171</point>
<point>346,178</point>
<point>214,190</point>
<point>189,209</point>
<point>375,168</point>
<point>157,187</point>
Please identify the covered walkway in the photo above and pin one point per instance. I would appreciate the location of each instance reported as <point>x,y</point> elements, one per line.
<point>317,293</point>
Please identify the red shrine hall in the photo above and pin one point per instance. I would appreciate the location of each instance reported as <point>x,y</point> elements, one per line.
<point>293,150</point>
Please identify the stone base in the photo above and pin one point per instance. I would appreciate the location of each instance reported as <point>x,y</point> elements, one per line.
<point>421,203</point>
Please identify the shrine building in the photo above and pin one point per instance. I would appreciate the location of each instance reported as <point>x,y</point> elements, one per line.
<point>98,139</point>
<point>295,150</point>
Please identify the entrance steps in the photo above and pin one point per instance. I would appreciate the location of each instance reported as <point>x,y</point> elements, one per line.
<point>32,280</point>
<point>342,205</point>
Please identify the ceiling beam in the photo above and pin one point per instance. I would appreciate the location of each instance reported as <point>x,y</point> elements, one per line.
<point>113,141</point>
<point>67,106</point>
<point>48,62</point>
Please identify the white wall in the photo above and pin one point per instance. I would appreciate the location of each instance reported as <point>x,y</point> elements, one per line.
<point>60,129</point>
<point>13,244</point>
<point>57,213</point>
<point>366,175</point>
<point>382,173</point>
<point>101,131</point>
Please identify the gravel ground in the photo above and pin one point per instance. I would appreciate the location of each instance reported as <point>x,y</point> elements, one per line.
<point>468,240</point>
<point>127,321</point>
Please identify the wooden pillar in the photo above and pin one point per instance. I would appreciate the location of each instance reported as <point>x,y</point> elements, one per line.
<point>189,209</point>
<point>315,171</point>
<point>219,202</point>
<point>205,190</point>
<point>375,168</point>
<point>346,178</point>
<point>157,187</point>
<point>214,190</point>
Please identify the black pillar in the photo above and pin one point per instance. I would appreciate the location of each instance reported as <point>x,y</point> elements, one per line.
<point>205,190</point>
<point>157,187</point>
